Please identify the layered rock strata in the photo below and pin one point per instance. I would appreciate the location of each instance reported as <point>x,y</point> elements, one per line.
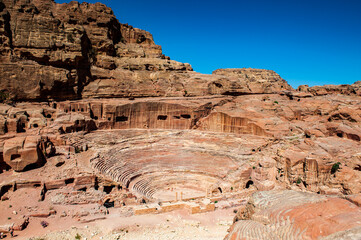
<point>296,215</point>
<point>71,51</point>
<point>353,89</point>
<point>131,127</point>
<point>61,48</point>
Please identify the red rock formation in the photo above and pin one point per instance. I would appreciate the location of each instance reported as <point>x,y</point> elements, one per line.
<point>155,131</point>
<point>221,122</point>
<point>54,47</point>
<point>353,89</point>
<point>250,80</point>
<point>21,153</point>
<point>68,51</point>
<point>296,215</point>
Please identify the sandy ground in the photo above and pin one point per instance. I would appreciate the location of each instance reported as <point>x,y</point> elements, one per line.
<point>173,225</point>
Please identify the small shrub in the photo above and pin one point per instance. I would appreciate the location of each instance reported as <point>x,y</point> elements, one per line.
<point>335,167</point>
<point>77,236</point>
<point>215,201</point>
<point>254,167</point>
<point>44,224</point>
<point>275,102</point>
<point>299,180</point>
<point>77,150</point>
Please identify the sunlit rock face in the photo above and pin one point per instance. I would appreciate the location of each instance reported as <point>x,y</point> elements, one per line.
<point>353,89</point>
<point>296,215</point>
<point>22,153</point>
<point>93,114</point>
<point>60,48</point>
<point>72,51</point>
<point>303,142</point>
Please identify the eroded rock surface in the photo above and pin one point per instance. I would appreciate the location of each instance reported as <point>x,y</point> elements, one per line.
<point>21,153</point>
<point>250,81</point>
<point>296,215</point>
<point>353,89</point>
<point>70,51</point>
<point>59,47</point>
<point>135,131</point>
<point>151,154</point>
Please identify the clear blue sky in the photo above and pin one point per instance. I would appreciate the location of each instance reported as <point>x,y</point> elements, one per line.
<point>312,42</point>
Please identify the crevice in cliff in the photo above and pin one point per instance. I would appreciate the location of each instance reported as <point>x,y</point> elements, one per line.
<point>3,165</point>
<point>79,73</point>
<point>114,32</point>
<point>7,28</point>
<point>202,112</point>
<point>45,60</point>
<point>84,64</point>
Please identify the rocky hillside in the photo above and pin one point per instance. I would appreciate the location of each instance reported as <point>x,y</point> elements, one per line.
<point>71,51</point>
<point>96,124</point>
<point>51,50</point>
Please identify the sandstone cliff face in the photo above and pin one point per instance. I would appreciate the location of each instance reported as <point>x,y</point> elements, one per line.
<point>353,89</point>
<point>72,51</point>
<point>41,57</point>
<point>248,80</point>
<point>48,49</point>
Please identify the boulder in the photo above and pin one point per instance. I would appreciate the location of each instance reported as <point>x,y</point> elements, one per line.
<point>24,153</point>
